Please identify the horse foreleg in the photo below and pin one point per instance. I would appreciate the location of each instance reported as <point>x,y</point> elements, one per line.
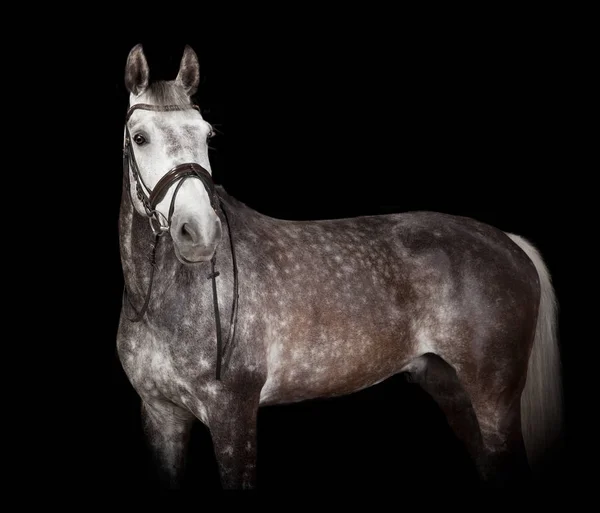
<point>167,428</point>
<point>233,432</point>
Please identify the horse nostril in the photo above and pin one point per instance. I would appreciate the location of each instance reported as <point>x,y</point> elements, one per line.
<point>188,234</point>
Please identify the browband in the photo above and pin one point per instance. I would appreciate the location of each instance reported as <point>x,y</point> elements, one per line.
<point>157,108</point>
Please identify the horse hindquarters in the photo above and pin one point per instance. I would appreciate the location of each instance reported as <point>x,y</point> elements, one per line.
<point>510,380</point>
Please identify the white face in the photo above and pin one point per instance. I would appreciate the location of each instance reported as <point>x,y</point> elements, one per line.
<point>161,141</point>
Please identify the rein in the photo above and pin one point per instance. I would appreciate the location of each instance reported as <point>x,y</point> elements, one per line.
<point>161,224</point>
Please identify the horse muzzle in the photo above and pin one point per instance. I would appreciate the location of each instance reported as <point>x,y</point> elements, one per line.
<point>195,240</point>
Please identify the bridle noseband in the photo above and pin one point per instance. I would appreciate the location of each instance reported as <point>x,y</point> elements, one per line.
<point>150,198</point>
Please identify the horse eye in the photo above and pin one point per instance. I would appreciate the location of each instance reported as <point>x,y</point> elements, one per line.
<point>139,139</point>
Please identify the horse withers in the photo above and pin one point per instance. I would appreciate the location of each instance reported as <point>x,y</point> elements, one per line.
<point>226,309</point>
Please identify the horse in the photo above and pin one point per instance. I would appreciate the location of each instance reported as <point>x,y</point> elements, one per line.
<point>226,310</point>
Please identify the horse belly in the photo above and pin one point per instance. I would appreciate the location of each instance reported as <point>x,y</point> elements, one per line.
<point>327,364</point>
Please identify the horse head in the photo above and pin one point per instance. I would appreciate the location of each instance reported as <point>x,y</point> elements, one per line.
<point>166,143</point>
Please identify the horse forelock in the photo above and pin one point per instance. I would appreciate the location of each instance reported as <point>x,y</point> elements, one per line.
<point>162,92</point>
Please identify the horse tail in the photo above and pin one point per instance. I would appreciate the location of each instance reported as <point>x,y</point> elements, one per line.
<point>542,398</point>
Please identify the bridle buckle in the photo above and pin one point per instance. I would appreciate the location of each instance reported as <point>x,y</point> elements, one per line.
<point>163,224</point>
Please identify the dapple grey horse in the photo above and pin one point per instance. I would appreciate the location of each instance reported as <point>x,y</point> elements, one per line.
<point>226,309</point>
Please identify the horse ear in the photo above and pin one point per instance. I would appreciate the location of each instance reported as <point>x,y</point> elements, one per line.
<point>189,71</point>
<point>137,72</point>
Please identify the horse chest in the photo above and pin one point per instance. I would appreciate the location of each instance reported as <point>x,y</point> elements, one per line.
<point>155,370</point>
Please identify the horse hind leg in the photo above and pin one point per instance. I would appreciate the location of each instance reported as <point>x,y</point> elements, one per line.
<point>484,413</point>
<point>497,406</point>
<point>439,380</point>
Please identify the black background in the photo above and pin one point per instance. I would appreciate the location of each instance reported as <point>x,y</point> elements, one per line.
<point>332,119</point>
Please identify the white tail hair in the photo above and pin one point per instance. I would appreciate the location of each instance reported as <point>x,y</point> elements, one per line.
<point>542,399</point>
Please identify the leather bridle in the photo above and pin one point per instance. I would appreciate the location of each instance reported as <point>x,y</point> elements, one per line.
<point>150,198</point>
<point>179,174</point>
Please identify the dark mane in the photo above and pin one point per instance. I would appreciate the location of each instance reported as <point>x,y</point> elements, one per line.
<point>164,92</point>
<point>229,200</point>
<point>237,211</point>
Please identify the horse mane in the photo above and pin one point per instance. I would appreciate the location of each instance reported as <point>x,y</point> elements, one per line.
<point>237,211</point>
<point>229,200</point>
<point>163,92</point>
